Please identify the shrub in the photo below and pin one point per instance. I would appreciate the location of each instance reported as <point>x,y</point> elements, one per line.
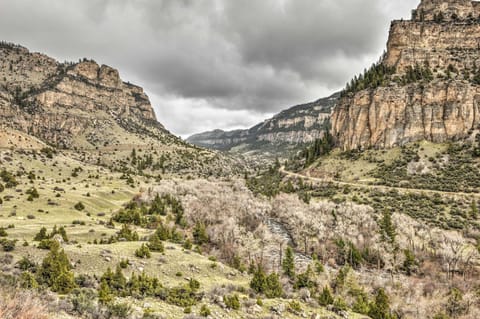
<point>143,252</point>
<point>26,264</point>
<point>8,245</point>
<point>28,281</point>
<point>79,206</point>
<point>304,280</point>
<point>187,244</point>
<point>105,294</point>
<point>126,233</point>
<point>22,305</point>
<point>124,263</point>
<point>205,311</point>
<point>340,305</point>
<point>232,301</point>
<point>456,306</point>
<point>83,301</point>
<point>120,310</point>
<point>294,306</point>
<point>182,296</point>
<point>3,232</point>
<point>155,244</point>
<point>33,193</point>
<point>47,244</point>
<point>8,179</point>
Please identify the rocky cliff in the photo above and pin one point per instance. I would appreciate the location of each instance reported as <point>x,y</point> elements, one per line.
<point>71,104</point>
<point>426,86</point>
<point>297,125</point>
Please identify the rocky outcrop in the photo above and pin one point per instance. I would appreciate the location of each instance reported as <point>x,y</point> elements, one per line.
<point>61,102</point>
<point>298,125</point>
<point>446,10</point>
<point>432,92</point>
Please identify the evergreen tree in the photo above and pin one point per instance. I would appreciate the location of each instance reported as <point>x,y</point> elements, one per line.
<point>118,280</point>
<point>55,271</point>
<point>361,304</point>
<point>155,244</point>
<point>200,235</point>
<point>42,234</point>
<point>380,308</point>
<point>387,228</point>
<point>274,287</point>
<point>288,263</point>
<point>105,295</point>
<point>133,157</point>
<point>325,297</point>
<point>409,263</point>
<point>143,252</point>
<point>28,281</point>
<point>162,232</point>
<point>259,280</point>
<point>304,280</point>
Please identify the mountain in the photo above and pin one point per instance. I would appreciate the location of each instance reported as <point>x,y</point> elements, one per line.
<point>297,125</point>
<point>425,87</point>
<point>71,104</point>
<point>86,106</point>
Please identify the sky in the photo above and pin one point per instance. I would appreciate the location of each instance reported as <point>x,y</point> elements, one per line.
<point>213,64</point>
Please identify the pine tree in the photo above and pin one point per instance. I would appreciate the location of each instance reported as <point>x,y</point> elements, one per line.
<point>105,295</point>
<point>162,232</point>
<point>259,280</point>
<point>28,281</point>
<point>55,271</point>
<point>143,252</point>
<point>325,297</point>
<point>288,263</point>
<point>42,234</point>
<point>387,228</point>
<point>200,235</point>
<point>409,263</point>
<point>380,308</point>
<point>119,282</point>
<point>273,286</point>
<point>155,244</point>
<point>134,157</point>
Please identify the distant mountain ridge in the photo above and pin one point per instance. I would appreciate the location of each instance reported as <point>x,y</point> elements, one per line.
<point>297,125</point>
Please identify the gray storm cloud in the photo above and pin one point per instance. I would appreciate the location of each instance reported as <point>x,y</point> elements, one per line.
<point>212,63</point>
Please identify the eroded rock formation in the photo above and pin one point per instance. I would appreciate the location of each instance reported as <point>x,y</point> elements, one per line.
<point>61,102</point>
<point>432,91</point>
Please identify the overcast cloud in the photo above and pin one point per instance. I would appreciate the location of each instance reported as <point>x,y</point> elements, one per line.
<point>213,63</point>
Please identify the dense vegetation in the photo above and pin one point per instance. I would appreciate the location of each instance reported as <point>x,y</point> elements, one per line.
<point>452,171</point>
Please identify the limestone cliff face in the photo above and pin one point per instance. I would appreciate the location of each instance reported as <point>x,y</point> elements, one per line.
<point>433,92</point>
<point>63,102</point>
<point>298,125</point>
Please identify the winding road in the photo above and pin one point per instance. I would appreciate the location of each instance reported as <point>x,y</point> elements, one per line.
<point>381,188</point>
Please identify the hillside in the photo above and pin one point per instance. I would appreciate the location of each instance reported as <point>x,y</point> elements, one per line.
<point>87,107</point>
<point>288,130</point>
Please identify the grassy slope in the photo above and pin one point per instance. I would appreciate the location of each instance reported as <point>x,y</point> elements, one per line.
<point>107,193</point>
<point>414,169</point>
